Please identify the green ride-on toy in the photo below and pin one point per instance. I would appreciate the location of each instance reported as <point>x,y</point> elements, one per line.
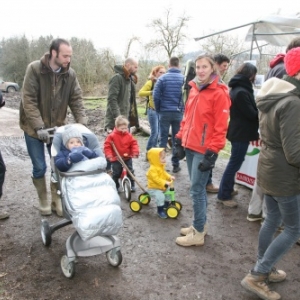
<point>172,210</point>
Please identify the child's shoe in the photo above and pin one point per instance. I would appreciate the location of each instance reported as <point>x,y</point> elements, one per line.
<point>161,213</point>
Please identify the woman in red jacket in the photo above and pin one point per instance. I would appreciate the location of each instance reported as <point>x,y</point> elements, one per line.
<point>203,134</point>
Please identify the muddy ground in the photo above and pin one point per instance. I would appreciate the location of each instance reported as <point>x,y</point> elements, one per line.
<point>153,267</point>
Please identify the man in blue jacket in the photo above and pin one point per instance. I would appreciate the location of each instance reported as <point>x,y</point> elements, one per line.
<point>168,100</point>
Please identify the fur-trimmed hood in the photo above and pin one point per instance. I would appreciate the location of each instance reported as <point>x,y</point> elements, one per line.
<point>124,72</point>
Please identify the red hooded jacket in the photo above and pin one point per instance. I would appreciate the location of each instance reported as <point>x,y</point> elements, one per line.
<point>205,121</point>
<point>125,144</point>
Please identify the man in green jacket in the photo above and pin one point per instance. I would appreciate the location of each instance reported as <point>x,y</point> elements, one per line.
<point>50,87</point>
<point>121,95</point>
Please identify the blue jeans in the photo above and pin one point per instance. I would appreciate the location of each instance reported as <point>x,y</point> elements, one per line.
<point>238,152</point>
<point>36,151</point>
<point>198,188</point>
<point>270,251</point>
<point>167,119</point>
<point>153,119</point>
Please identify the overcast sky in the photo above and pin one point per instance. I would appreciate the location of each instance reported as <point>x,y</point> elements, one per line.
<point>110,24</point>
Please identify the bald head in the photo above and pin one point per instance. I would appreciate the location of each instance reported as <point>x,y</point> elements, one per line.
<point>131,65</point>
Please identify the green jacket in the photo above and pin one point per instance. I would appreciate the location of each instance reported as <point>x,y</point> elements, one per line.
<point>278,172</point>
<point>121,97</point>
<point>47,95</point>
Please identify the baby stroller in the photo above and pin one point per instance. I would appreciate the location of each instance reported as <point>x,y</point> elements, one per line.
<point>90,202</point>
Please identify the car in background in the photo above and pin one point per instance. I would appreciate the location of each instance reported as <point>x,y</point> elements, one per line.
<point>8,87</point>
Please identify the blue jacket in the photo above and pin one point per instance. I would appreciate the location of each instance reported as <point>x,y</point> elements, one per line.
<point>167,92</point>
<point>62,161</point>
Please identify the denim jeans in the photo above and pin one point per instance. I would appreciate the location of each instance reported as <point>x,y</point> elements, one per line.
<point>209,180</point>
<point>36,151</point>
<point>198,188</point>
<point>270,251</point>
<point>153,119</point>
<point>167,119</point>
<point>238,152</point>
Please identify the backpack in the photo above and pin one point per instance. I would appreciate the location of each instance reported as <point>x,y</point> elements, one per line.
<point>147,99</point>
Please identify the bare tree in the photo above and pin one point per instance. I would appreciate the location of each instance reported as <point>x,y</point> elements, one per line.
<point>133,39</point>
<point>170,36</point>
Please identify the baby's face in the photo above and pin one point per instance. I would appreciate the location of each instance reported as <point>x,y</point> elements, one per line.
<point>73,142</point>
<point>162,157</point>
<point>122,128</point>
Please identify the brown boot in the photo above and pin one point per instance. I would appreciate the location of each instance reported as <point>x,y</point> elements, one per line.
<point>56,200</point>
<point>194,238</point>
<point>44,205</point>
<point>257,285</point>
<point>187,230</point>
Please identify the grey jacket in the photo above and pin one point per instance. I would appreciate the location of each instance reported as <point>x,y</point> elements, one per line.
<point>47,95</point>
<point>278,172</point>
<point>119,96</point>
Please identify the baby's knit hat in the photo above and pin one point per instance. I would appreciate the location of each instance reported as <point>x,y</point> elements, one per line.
<point>292,61</point>
<point>71,132</point>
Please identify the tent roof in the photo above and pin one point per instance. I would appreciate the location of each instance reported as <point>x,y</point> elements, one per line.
<point>274,29</point>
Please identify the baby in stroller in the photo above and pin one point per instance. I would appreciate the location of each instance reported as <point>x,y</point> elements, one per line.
<point>89,197</point>
<point>73,149</point>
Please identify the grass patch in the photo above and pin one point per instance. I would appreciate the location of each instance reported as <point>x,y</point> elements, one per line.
<point>226,151</point>
<point>95,103</point>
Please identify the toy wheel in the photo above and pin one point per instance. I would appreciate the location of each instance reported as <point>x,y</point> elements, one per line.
<point>115,260</point>
<point>46,233</point>
<point>144,198</point>
<point>135,206</point>
<point>67,266</point>
<point>178,205</point>
<point>127,189</point>
<point>172,212</point>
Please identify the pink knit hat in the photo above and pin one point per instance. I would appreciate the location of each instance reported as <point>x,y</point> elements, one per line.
<point>292,61</point>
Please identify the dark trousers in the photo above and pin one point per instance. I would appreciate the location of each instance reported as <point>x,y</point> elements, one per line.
<point>2,173</point>
<point>117,169</point>
<point>238,152</point>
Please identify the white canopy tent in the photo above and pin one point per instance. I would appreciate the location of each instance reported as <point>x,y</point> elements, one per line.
<point>274,29</point>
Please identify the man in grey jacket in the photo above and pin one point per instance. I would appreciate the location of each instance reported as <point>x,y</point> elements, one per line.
<point>121,95</point>
<point>50,87</point>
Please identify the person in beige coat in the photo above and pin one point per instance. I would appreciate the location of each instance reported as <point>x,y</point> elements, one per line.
<point>278,175</point>
<point>50,87</point>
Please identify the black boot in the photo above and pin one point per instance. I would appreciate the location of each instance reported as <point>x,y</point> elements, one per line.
<point>161,213</point>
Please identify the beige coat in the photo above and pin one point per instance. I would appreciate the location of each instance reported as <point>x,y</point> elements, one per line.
<point>278,172</point>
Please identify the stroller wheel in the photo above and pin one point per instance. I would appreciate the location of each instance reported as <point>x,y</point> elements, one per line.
<point>178,205</point>
<point>135,206</point>
<point>115,259</point>
<point>127,189</point>
<point>144,198</point>
<point>46,233</point>
<point>172,212</point>
<point>67,266</point>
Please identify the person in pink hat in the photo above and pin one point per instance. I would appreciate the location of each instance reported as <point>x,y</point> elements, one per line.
<point>278,175</point>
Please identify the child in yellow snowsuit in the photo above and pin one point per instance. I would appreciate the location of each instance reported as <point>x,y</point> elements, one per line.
<point>158,179</point>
